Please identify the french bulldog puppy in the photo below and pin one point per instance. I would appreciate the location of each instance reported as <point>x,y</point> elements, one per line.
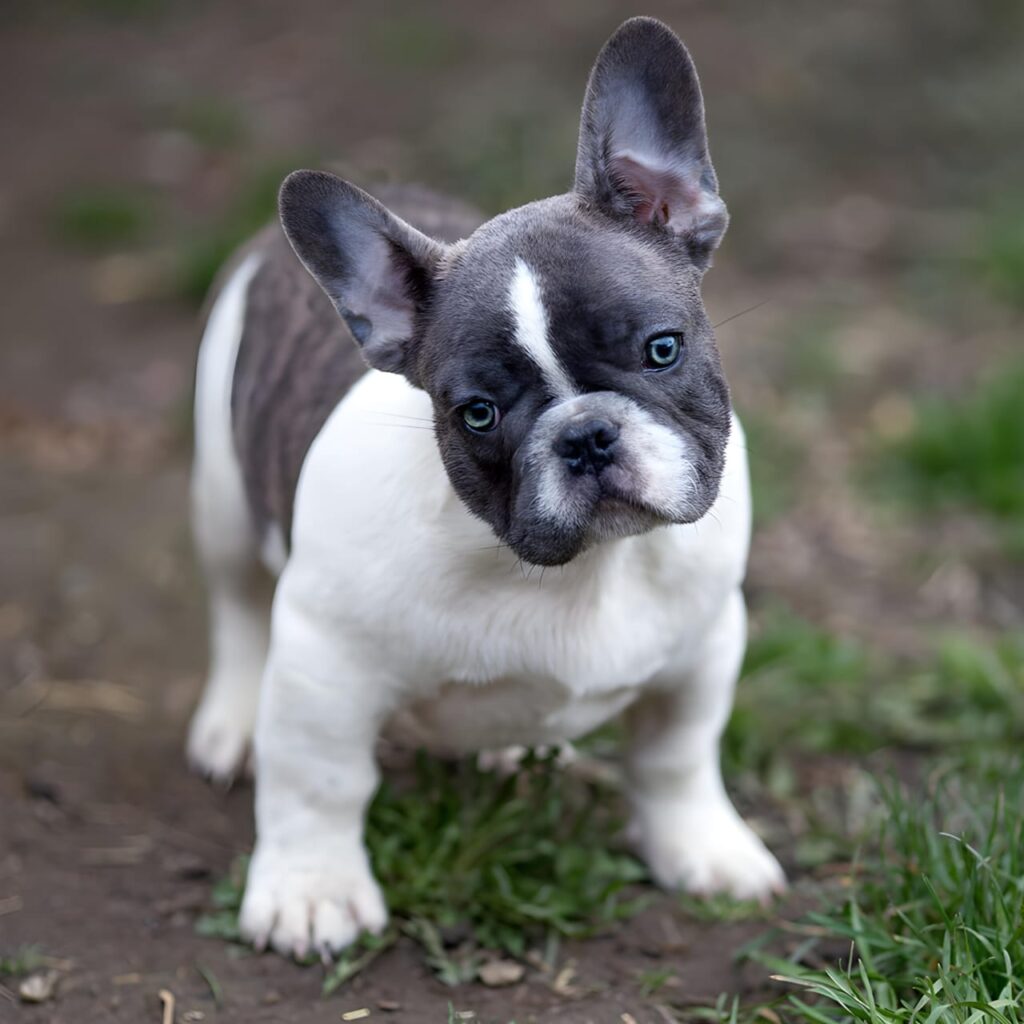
<point>405,423</point>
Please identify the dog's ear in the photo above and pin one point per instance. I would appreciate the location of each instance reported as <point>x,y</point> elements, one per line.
<point>375,268</point>
<point>643,151</point>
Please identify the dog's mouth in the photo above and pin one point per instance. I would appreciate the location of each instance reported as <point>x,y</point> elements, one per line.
<point>617,516</point>
<point>618,494</point>
<point>604,507</point>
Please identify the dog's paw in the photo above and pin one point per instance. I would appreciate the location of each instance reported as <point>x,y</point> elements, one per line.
<point>310,900</point>
<point>706,851</point>
<point>505,761</point>
<point>220,739</point>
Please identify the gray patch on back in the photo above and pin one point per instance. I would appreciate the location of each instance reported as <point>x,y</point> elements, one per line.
<point>297,359</point>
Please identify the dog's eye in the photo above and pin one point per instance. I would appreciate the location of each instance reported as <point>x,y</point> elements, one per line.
<point>480,416</point>
<point>662,351</point>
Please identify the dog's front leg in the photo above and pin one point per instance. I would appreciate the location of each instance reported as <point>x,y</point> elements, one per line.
<point>310,885</point>
<point>683,821</point>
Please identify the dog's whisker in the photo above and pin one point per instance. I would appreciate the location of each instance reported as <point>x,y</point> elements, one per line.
<point>404,426</point>
<point>491,547</point>
<point>742,312</point>
<point>401,415</point>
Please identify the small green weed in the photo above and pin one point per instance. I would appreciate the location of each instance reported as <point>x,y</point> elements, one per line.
<point>810,366</point>
<point>102,217</point>
<point>1001,255</point>
<point>210,122</point>
<point>415,43</point>
<point>21,961</point>
<point>651,982</point>
<point>774,459</point>
<point>509,158</point>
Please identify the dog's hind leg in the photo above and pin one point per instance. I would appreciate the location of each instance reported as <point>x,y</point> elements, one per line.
<point>239,590</point>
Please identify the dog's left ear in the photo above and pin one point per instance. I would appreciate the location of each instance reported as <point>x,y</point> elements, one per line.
<point>643,150</point>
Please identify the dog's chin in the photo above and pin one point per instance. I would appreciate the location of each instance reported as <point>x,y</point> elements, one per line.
<point>616,517</point>
<point>613,517</point>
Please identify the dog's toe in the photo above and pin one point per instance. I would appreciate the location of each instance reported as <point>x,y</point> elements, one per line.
<point>304,902</point>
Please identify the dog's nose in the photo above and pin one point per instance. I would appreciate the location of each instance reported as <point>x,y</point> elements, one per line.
<point>588,447</point>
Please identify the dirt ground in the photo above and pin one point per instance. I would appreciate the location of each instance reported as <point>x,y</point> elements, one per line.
<point>827,132</point>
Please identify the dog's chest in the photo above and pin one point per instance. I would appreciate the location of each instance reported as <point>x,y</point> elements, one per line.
<point>543,668</point>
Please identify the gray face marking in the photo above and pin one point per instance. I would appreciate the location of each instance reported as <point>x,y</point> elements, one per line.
<point>548,313</point>
<point>531,329</point>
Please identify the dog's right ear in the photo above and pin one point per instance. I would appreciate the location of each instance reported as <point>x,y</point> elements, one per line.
<point>375,268</point>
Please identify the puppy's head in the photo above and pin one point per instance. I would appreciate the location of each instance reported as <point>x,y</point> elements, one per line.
<point>574,376</point>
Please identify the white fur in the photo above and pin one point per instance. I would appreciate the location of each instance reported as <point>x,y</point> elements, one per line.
<point>396,611</point>
<point>527,305</point>
<point>222,726</point>
<point>651,460</point>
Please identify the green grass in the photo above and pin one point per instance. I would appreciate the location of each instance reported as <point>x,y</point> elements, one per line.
<point>102,217</point>
<point>113,10</point>
<point>774,459</point>
<point>206,249</point>
<point>806,691</point>
<point>651,982</point>
<point>967,453</point>
<point>510,157</point>
<point>416,43</point>
<point>469,862</point>
<point>21,961</point>
<point>211,122</point>
<point>1001,255</point>
<point>933,928</point>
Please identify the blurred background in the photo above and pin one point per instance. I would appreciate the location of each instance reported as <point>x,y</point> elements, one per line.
<point>870,292</point>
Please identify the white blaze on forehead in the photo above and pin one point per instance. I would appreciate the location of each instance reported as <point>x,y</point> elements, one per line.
<point>531,336</point>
